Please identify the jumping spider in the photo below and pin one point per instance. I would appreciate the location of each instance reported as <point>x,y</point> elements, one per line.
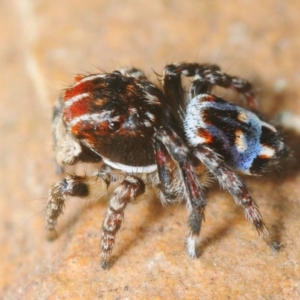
<point>166,139</point>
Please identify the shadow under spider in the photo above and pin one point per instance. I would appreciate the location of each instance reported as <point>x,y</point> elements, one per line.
<point>67,223</point>
<point>155,211</point>
<point>218,232</point>
<point>278,211</point>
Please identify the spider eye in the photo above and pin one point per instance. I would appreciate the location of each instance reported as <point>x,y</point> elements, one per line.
<point>114,125</point>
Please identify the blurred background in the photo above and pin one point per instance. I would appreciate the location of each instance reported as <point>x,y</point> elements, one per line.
<point>44,44</point>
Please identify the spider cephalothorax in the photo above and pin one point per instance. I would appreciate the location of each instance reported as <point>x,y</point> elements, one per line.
<point>162,139</point>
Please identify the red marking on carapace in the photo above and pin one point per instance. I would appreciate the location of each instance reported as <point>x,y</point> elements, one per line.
<point>80,88</point>
<point>77,109</point>
<point>83,129</point>
<point>90,130</point>
<point>205,134</point>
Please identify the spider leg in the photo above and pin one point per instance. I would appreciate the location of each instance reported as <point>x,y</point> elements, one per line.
<point>86,188</point>
<point>166,168</point>
<point>233,184</point>
<point>205,76</point>
<point>169,143</point>
<point>127,191</point>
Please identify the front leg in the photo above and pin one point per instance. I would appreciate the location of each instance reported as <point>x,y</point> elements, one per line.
<point>170,144</point>
<point>128,190</point>
<point>83,187</point>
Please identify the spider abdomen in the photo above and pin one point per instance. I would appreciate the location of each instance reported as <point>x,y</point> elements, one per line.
<point>247,143</point>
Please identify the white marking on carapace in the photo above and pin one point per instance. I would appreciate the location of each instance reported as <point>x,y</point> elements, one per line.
<point>89,78</point>
<point>74,99</point>
<point>99,117</point>
<point>132,110</point>
<point>150,115</point>
<point>147,123</point>
<point>152,99</point>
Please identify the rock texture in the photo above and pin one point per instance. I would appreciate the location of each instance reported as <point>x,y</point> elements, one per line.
<point>44,44</point>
